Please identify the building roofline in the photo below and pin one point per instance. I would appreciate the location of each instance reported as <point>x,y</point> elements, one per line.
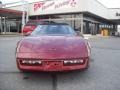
<point>51,0</point>
<point>10,11</point>
<point>113,8</point>
<point>101,4</point>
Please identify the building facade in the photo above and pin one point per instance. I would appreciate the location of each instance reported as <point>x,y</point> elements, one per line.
<point>88,16</point>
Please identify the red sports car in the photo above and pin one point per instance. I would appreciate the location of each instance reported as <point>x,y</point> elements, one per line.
<point>53,47</point>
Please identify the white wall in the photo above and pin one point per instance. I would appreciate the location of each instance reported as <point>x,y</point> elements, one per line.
<point>97,8</point>
<point>112,13</point>
<point>92,6</point>
<point>79,7</point>
<point>19,7</point>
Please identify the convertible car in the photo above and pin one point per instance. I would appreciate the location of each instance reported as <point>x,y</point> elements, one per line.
<point>53,47</point>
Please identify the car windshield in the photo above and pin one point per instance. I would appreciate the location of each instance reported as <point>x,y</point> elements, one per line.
<point>53,30</point>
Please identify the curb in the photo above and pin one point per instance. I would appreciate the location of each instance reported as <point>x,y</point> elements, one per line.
<point>96,36</point>
<point>10,35</point>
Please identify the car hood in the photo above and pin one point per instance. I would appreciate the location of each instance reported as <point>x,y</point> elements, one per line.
<point>60,46</point>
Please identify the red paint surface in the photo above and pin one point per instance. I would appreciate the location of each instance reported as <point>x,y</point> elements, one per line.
<point>27,29</point>
<point>52,48</point>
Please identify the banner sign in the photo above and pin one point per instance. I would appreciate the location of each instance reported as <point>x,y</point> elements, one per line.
<point>54,4</point>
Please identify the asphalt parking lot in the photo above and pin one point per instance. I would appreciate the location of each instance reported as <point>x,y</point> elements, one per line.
<point>103,74</point>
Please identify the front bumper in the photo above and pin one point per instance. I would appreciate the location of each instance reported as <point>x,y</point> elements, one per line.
<point>52,65</point>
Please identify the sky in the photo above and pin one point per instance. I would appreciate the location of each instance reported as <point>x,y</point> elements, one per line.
<point>107,3</point>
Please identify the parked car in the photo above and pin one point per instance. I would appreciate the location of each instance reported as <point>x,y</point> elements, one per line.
<point>53,47</point>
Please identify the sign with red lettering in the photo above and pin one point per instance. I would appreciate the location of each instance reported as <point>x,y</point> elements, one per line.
<point>54,4</point>
<point>38,5</point>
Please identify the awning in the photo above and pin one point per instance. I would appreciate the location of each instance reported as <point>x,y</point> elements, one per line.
<point>10,13</point>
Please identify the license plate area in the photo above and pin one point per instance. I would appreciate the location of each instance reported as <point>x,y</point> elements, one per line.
<point>53,65</point>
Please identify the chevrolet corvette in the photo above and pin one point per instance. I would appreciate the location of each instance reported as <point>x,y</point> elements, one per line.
<point>53,47</point>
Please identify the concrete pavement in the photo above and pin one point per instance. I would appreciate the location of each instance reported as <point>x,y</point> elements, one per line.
<point>103,74</point>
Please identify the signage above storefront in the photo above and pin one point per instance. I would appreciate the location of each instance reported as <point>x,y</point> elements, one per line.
<point>54,4</point>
